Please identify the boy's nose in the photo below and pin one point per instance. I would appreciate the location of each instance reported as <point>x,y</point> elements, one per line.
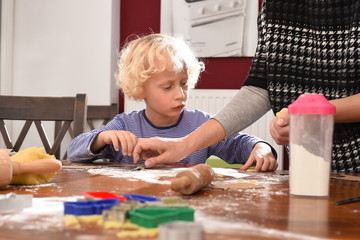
<point>180,93</point>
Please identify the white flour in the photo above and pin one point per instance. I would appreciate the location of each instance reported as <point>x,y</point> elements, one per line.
<point>309,174</point>
<point>216,225</point>
<point>155,175</point>
<point>44,214</point>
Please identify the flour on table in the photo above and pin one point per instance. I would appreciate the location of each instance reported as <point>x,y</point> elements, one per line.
<point>147,175</point>
<point>44,214</point>
<point>230,172</point>
<point>216,225</point>
<point>156,175</point>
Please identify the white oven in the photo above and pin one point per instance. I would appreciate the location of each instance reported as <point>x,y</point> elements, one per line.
<point>214,28</point>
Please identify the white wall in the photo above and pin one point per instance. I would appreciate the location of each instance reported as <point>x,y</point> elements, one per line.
<point>60,48</point>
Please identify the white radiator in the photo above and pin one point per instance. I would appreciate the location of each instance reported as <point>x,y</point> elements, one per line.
<point>211,101</point>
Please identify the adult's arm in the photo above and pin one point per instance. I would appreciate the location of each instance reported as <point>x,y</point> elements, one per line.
<point>247,106</point>
<point>347,109</point>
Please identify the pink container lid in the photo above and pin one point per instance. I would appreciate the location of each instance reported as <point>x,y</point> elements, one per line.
<point>310,103</point>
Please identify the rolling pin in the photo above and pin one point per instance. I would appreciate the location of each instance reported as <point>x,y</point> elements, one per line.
<point>192,179</point>
<point>9,168</point>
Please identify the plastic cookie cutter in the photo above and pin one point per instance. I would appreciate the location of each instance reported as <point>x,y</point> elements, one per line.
<point>169,202</point>
<point>141,198</point>
<point>119,212</point>
<point>92,207</point>
<point>179,230</point>
<point>139,167</point>
<point>130,205</point>
<point>151,217</point>
<point>12,202</point>
<point>114,214</point>
<point>104,195</point>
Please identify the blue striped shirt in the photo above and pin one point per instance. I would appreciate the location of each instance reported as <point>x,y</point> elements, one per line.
<point>235,149</point>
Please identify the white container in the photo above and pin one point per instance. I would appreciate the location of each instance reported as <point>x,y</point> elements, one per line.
<point>311,132</point>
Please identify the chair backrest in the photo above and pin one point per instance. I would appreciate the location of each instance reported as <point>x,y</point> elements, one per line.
<point>98,112</point>
<point>104,113</point>
<point>61,110</point>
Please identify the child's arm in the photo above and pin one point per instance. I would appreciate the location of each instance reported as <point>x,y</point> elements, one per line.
<point>246,149</point>
<point>88,147</point>
<point>124,139</point>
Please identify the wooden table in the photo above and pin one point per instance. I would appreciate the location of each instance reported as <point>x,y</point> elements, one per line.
<point>257,213</point>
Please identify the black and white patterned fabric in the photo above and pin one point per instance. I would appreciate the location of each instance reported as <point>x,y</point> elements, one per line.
<point>312,46</point>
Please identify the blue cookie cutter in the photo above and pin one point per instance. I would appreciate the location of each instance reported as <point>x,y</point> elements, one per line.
<point>141,198</point>
<point>92,207</point>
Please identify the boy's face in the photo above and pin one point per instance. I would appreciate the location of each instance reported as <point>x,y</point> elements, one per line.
<point>165,95</point>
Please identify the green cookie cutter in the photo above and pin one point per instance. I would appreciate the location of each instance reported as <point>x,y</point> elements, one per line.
<point>151,217</point>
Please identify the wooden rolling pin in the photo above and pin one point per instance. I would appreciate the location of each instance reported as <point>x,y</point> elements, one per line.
<point>193,179</point>
<point>9,168</point>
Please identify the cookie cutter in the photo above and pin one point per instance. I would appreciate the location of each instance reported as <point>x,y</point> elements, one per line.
<point>151,217</point>
<point>119,212</point>
<point>169,202</point>
<point>104,195</point>
<point>179,230</point>
<point>91,207</point>
<point>141,198</point>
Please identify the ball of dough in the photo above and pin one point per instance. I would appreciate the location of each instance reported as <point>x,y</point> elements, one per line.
<point>28,155</point>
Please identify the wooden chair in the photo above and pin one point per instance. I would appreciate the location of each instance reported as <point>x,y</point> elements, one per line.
<point>98,112</point>
<point>104,113</point>
<point>61,110</point>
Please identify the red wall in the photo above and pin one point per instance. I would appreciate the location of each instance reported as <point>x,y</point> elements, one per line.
<point>143,17</point>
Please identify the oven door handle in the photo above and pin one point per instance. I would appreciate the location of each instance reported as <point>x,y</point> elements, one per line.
<point>203,22</point>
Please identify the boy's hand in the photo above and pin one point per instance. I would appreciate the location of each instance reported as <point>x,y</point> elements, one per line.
<point>264,158</point>
<point>124,139</point>
<point>279,127</point>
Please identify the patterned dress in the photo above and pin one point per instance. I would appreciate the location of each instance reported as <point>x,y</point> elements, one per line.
<point>312,46</point>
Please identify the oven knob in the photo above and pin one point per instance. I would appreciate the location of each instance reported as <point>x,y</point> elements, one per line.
<point>234,4</point>
<point>217,8</point>
<point>201,10</point>
<point>240,2</point>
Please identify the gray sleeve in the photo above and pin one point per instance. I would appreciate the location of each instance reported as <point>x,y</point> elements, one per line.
<point>247,106</point>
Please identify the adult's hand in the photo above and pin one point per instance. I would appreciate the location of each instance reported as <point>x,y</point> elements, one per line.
<point>279,128</point>
<point>264,158</point>
<point>156,151</point>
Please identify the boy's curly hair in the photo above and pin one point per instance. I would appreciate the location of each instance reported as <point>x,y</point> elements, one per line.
<point>148,55</point>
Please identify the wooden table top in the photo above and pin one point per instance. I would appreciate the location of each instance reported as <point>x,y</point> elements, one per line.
<point>235,213</point>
